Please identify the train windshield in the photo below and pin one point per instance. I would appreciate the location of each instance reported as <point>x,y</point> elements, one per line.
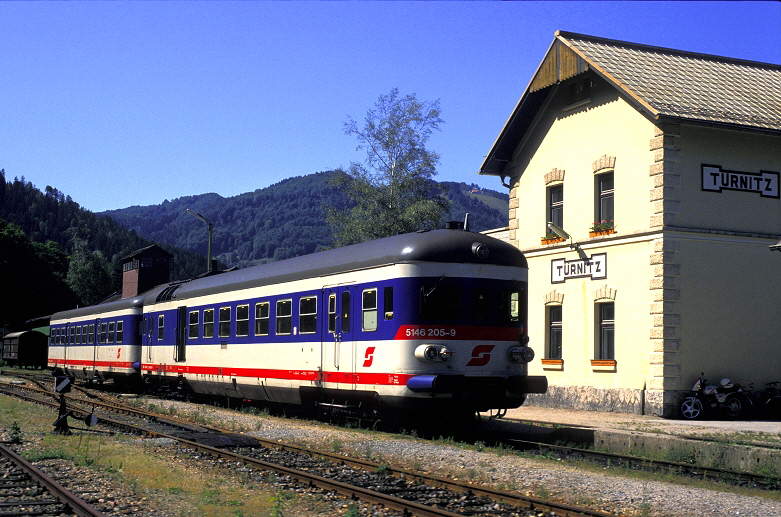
<point>472,304</point>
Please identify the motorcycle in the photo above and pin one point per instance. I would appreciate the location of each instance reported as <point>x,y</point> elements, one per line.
<point>768,401</point>
<point>708,399</point>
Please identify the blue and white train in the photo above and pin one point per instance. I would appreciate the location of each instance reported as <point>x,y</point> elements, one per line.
<point>425,323</point>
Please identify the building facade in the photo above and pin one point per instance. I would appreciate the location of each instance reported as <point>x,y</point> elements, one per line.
<point>659,170</point>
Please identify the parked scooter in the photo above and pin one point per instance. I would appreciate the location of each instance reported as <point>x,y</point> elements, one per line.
<point>709,399</point>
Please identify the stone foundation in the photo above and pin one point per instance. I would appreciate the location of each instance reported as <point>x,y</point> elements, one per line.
<point>616,400</point>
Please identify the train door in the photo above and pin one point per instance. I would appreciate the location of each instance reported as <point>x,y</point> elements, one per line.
<point>147,339</point>
<point>337,365</point>
<point>181,334</point>
<point>101,339</point>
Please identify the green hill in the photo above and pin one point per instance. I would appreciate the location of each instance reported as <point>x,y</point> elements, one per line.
<point>283,220</point>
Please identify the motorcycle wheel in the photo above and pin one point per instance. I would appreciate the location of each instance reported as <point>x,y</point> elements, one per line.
<point>692,408</point>
<point>733,405</point>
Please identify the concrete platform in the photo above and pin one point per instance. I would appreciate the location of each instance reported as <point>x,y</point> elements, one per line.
<point>753,445</point>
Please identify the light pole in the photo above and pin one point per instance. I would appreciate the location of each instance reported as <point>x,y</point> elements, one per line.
<point>209,247</point>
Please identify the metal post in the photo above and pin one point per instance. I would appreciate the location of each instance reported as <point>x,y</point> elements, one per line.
<point>209,246</point>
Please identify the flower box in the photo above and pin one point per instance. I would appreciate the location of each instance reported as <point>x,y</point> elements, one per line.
<point>551,240</point>
<point>552,364</point>
<point>603,365</point>
<point>601,232</point>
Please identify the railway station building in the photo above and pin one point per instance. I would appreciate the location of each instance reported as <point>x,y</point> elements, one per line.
<point>659,170</point>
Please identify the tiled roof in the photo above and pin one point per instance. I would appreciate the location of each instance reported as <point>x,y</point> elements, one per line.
<point>665,83</point>
<point>687,85</point>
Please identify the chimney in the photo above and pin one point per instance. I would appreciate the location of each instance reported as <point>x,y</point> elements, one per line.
<point>145,268</point>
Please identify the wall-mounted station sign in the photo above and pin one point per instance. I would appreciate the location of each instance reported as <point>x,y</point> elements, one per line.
<point>716,179</point>
<point>594,267</point>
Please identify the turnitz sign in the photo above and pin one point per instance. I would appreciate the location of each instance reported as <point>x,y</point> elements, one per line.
<point>716,179</point>
<point>594,267</point>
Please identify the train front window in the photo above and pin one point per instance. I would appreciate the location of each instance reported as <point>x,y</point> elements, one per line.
<point>284,319</point>
<point>440,302</point>
<point>481,304</point>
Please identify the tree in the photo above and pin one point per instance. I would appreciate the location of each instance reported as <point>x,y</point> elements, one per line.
<point>393,191</point>
<point>89,274</point>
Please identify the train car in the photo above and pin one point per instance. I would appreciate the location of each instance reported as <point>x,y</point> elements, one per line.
<point>26,348</point>
<point>424,323</point>
<point>99,342</point>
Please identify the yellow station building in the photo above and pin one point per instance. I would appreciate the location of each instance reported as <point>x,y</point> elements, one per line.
<point>660,171</point>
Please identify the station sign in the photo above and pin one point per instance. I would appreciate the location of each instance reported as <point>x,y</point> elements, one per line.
<point>594,267</point>
<point>716,179</point>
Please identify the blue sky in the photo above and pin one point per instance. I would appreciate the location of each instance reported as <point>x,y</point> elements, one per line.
<point>131,103</point>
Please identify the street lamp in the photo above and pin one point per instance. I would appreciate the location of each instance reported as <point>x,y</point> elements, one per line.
<point>564,235</point>
<point>209,248</point>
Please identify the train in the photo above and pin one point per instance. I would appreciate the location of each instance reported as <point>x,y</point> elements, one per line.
<point>423,324</point>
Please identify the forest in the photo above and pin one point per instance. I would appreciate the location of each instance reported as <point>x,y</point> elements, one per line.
<point>55,255</point>
<point>284,220</point>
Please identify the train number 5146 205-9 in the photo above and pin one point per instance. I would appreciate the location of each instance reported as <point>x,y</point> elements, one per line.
<point>431,332</point>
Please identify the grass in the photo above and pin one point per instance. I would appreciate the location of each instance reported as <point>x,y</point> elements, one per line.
<point>151,472</point>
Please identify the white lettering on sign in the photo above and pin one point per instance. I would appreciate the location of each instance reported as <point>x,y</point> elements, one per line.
<point>594,267</point>
<point>716,179</point>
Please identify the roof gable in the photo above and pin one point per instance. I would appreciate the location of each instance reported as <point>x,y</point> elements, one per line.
<point>661,82</point>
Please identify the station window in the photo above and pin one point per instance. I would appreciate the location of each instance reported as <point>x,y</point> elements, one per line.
<point>225,322</point>
<point>262,319</point>
<point>388,302</point>
<point>91,335</point>
<point>607,325</point>
<point>110,332</point>
<point>242,320</point>
<point>604,201</point>
<point>208,323</point>
<point>553,350</point>
<point>192,325</point>
<point>160,327</point>
<point>284,317</point>
<point>556,206</point>
<point>307,314</point>
<point>120,332</point>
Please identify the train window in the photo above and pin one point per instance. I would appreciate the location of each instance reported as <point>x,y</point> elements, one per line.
<point>102,336</point>
<point>225,322</point>
<point>388,302</point>
<point>192,325</point>
<point>331,313</point>
<point>242,320</point>
<point>369,310</point>
<point>91,335</point>
<point>78,335</point>
<point>439,302</point>
<point>345,312</point>
<point>284,316</point>
<point>160,327</point>
<point>481,304</point>
<point>208,323</point>
<point>84,334</point>
<point>111,332</point>
<point>307,314</point>
<point>262,318</point>
<point>120,332</point>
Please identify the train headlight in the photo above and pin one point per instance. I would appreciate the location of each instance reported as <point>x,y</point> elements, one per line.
<point>520,354</point>
<point>431,353</point>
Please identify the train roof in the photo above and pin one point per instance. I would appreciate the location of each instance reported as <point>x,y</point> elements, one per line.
<point>453,246</point>
<point>115,305</point>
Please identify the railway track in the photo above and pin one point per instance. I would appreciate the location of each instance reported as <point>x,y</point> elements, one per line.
<point>26,490</point>
<point>408,493</point>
